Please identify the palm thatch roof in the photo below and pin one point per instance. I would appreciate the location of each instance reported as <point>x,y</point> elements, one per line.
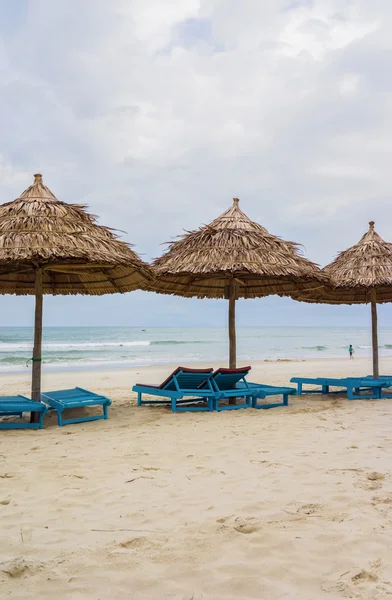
<point>77,255</point>
<point>233,248</point>
<point>355,272</point>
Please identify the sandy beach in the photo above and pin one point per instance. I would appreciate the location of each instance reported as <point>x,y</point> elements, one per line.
<point>290,503</point>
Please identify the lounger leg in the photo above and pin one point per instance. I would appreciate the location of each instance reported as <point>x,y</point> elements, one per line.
<point>350,393</point>
<point>60,418</point>
<point>174,405</point>
<point>285,399</point>
<point>299,391</point>
<point>325,389</point>
<point>105,411</point>
<point>139,398</point>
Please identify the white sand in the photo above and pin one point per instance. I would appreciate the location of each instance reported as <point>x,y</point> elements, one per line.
<point>290,503</point>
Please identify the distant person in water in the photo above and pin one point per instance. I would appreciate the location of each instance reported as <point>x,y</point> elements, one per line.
<point>351,352</point>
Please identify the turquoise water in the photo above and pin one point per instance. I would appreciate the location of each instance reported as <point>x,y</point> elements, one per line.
<point>71,348</point>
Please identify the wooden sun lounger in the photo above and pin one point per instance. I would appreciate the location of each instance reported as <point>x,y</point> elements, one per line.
<point>232,383</point>
<point>62,400</point>
<point>183,389</point>
<point>15,406</point>
<point>185,386</point>
<point>263,390</point>
<point>385,378</point>
<point>354,386</point>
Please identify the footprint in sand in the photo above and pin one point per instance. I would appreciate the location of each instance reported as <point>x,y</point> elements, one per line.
<point>344,582</point>
<point>382,505</point>
<point>377,500</point>
<point>134,544</point>
<point>376,564</point>
<point>142,543</point>
<point>245,525</point>
<point>309,509</point>
<point>364,576</point>
<point>374,476</point>
<point>373,481</point>
<point>19,567</point>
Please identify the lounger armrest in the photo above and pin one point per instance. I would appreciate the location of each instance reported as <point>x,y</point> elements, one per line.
<point>148,385</point>
<point>272,389</point>
<point>157,391</point>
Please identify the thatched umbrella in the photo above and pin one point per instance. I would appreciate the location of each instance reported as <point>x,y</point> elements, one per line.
<point>233,257</point>
<point>50,247</point>
<point>360,275</point>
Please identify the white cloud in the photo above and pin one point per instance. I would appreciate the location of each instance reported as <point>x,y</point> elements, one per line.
<point>10,176</point>
<point>158,113</point>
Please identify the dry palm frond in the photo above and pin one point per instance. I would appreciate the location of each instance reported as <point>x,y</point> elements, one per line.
<point>77,255</point>
<point>233,248</point>
<point>355,272</point>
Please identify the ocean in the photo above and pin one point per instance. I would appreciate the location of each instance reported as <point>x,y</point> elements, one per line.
<point>82,348</point>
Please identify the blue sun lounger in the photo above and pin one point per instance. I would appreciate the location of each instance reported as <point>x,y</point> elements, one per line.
<point>354,386</point>
<point>182,387</point>
<point>15,406</point>
<point>232,383</point>
<point>264,390</point>
<point>62,400</point>
<point>385,378</point>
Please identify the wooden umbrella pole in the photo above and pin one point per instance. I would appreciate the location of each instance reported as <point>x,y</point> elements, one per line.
<point>36,379</point>
<point>376,372</point>
<point>232,335</point>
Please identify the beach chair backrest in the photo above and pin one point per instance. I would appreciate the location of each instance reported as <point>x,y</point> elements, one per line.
<point>226,379</point>
<point>186,379</point>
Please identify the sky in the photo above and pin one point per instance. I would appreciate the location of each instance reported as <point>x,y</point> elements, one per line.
<point>156,114</point>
